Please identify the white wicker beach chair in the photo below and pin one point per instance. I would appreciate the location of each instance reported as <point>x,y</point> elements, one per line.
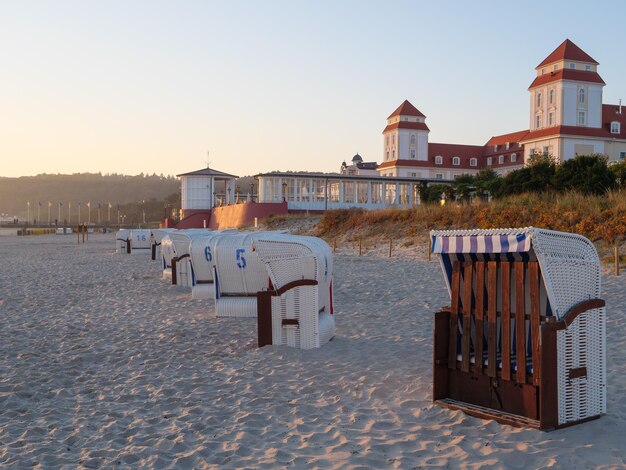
<point>156,236</point>
<point>175,255</point>
<point>238,274</point>
<point>140,241</point>
<point>297,310</point>
<point>201,256</point>
<point>523,341</point>
<point>122,241</point>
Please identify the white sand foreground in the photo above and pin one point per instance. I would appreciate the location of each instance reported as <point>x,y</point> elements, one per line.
<point>105,365</point>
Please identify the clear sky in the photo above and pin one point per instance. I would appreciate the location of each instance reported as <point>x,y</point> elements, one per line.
<point>152,86</point>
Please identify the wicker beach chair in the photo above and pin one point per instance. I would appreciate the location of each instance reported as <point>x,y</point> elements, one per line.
<point>175,255</point>
<point>140,241</point>
<point>297,309</point>
<point>238,274</point>
<point>523,341</point>
<point>156,236</point>
<point>202,267</point>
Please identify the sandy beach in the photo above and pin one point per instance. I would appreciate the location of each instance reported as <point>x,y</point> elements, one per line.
<point>105,365</point>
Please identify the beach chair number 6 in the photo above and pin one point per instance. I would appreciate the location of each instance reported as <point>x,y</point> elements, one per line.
<point>241,261</point>
<point>207,254</point>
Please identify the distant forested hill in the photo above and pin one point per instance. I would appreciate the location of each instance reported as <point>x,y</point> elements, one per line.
<point>81,187</point>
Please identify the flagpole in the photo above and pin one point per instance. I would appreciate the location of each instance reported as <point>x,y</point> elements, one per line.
<point>49,206</point>
<point>28,212</point>
<point>69,213</point>
<point>38,211</point>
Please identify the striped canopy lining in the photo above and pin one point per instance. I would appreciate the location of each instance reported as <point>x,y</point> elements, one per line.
<point>474,248</point>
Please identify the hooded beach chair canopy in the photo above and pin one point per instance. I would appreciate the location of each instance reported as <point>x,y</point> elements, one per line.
<point>570,267</point>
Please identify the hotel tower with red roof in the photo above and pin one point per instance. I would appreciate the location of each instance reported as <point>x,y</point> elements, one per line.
<point>567,118</point>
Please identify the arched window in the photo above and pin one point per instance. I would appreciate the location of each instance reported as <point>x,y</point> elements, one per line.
<point>438,160</point>
<point>412,139</point>
<point>551,97</point>
<point>513,158</point>
<point>501,159</point>
<point>489,160</point>
<point>615,127</point>
<point>456,161</point>
<point>393,154</point>
<point>538,99</point>
<point>473,162</point>
<point>581,95</point>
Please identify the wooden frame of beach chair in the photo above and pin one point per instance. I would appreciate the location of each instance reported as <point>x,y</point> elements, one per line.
<point>520,293</point>
<point>296,310</point>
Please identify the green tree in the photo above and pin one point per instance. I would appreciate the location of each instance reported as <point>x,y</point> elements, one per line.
<point>588,174</point>
<point>619,171</point>
<point>463,186</point>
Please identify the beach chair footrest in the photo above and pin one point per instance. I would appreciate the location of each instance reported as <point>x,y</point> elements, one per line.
<point>489,413</point>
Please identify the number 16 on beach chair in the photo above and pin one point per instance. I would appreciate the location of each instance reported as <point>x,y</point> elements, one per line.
<point>523,340</point>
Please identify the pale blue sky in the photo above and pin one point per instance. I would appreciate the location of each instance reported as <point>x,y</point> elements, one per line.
<point>151,86</point>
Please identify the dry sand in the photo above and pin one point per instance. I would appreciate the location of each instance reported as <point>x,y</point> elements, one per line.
<point>103,364</point>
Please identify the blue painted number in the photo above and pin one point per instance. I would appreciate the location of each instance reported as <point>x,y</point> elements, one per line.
<point>207,254</point>
<point>141,238</point>
<point>241,261</point>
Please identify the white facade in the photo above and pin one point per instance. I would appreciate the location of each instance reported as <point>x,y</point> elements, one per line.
<point>197,192</point>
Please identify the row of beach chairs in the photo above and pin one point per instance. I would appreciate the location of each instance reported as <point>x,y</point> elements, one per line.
<point>282,279</point>
<point>523,340</point>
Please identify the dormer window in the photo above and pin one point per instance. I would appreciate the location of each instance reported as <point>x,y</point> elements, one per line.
<point>495,148</point>
<point>473,162</point>
<point>438,160</point>
<point>615,127</point>
<point>572,65</point>
<point>405,119</point>
<point>588,68</point>
<point>456,161</point>
<point>507,146</point>
<point>556,67</point>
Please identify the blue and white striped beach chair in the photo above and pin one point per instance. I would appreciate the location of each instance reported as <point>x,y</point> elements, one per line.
<point>523,340</point>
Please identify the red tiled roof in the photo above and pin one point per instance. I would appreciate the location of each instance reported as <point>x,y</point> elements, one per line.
<point>406,109</point>
<point>416,163</point>
<point>512,137</point>
<point>421,126</point>
<point>567,74</point>
<point>567,51</point>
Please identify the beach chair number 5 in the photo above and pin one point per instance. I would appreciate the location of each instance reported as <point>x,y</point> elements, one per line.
<point>207,254</point>
<point>241,261</point>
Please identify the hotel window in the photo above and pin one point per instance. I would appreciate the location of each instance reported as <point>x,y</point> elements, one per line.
<point>393,154</point>
<point>438,160</point>
<point>387,141</point>
<point>556,67</point>
<point>489,160</point>
<point>456,161</point>
<point>572,65</point>
<point>537,121</point>
<point>550,119</point>
<point>393,138</point>
<point>615,127</point>
<point>412,153</point>
<point>622,155</point>
<point>551,97</point>
<point>588,68</point>
<point>495,148</point>
<point>581,95</point>
<point>513,158</point>
<point>413,174</point>
<point>581,118</point>
<point>538,99</point>
<point>507,146</point>
<point>387,155</point>
<point>412,139</point>
<point>473,162</point>
<point>543,71</point>
<point>439,176</point>
<point>545,150</point>
<point>501,159</point>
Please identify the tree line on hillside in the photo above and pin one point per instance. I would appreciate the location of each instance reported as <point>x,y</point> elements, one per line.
<point>586,174</point>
